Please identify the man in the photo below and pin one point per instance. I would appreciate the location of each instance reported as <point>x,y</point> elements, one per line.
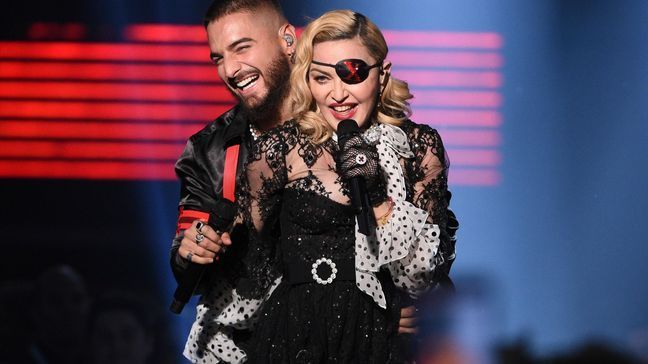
<point>251,44</point>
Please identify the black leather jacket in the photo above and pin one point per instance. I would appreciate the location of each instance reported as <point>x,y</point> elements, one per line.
<point>200,170</point>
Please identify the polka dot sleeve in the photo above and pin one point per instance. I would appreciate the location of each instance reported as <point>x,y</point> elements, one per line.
<point>408,243</point>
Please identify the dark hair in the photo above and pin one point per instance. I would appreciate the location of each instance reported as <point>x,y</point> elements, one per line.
<point>219,8</point>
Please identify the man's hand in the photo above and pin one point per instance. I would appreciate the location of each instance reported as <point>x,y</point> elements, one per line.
<point>202,250</point>
<point>408,320</point>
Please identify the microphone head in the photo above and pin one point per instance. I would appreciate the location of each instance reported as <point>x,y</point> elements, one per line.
<point>347,126</point>
<point>222,214</point>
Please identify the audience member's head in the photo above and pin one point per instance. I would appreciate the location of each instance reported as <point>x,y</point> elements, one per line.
<point>122,330</point>
<point>59,313</point>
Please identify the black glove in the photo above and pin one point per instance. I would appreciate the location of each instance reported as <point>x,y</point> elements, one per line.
<point>359,159</point>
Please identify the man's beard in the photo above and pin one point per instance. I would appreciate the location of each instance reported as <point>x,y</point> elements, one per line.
<point>268,109</point>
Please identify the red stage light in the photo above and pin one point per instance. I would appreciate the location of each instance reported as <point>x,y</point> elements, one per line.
<point>124,110</point>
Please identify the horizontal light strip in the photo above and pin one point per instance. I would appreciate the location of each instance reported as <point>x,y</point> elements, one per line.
<point>98,130</point>
<point>441,118</point>
<point>89,130</point>
<point>90,150</point>
<point>104,51</point>
<point>115,91</point>
<point>447,98</point>
<point>474,157</point>
<point>474,177</point>
<point>165,171</point>
<point>168,151</point>
<point>196,34</point>
<point>199,93</point>
<point>488,60</point>
<point>108,71</point>
<point>68,31</point>
<point>472,138</point>
<point>108,110</point>
<point>200,54</point>
<point>449,78</point>
<point>87,170</point>
<point>443,39</point>
<point>165,33</point>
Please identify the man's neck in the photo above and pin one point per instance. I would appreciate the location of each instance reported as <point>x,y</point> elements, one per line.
<point>266,124</point>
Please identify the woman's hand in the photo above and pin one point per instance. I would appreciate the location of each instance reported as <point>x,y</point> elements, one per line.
<point>359,159</point>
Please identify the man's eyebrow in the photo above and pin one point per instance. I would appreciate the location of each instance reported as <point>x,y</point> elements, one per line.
<point>239,41</point>
<point>233,45</point>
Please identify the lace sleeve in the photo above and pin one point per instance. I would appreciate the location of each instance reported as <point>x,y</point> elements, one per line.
<point>428,174</point>
<point>428,180</point>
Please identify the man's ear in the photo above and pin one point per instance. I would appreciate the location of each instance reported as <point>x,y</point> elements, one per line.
<point>289,38</point>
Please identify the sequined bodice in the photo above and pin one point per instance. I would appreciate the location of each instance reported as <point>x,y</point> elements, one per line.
<point>315,226</point>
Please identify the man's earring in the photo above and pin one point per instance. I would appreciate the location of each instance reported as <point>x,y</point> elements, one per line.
<point>289,39</point>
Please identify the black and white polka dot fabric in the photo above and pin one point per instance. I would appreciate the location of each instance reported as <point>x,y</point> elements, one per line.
<point>221,309</point>
<point>407,244</point>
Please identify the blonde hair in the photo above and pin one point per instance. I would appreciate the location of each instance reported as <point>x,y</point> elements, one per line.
<point>393,107</point>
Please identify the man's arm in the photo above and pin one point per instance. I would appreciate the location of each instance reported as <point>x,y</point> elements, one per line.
<point>197,200</point>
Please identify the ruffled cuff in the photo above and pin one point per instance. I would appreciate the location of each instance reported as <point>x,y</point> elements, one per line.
<point>220,348</point>
<point>220,310</point>
<point>408,246</point>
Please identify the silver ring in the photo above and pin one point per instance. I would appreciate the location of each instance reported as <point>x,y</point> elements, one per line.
<point>199,238</point>
<point>189,256</point>
<point>361,159</point>
<point>199,226</point>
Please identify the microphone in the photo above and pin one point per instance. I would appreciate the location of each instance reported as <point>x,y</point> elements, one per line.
<point>221,218</point>
<point>346,129</point>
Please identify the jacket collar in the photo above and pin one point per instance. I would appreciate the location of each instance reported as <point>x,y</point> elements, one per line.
<point>236,127</point>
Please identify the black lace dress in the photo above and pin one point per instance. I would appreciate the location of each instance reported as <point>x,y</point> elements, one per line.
<point>298,210</point>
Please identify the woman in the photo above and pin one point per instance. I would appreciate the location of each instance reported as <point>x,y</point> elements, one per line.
<point>332,293</point>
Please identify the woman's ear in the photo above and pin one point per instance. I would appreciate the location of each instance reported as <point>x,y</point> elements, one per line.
<point>385,72</point>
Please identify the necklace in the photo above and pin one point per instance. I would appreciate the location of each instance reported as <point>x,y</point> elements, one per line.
<point>254,131</point>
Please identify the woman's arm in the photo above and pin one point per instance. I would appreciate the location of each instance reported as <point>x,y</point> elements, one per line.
<point>428,173</point>
<point>409,232</point>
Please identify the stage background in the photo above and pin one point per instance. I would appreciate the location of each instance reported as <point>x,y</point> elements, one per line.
<point>542,105</point>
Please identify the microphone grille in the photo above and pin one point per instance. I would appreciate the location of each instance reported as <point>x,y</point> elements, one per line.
<point>347,126</point>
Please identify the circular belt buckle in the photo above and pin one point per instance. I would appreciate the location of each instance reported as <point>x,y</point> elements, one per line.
<point>317,278</point>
